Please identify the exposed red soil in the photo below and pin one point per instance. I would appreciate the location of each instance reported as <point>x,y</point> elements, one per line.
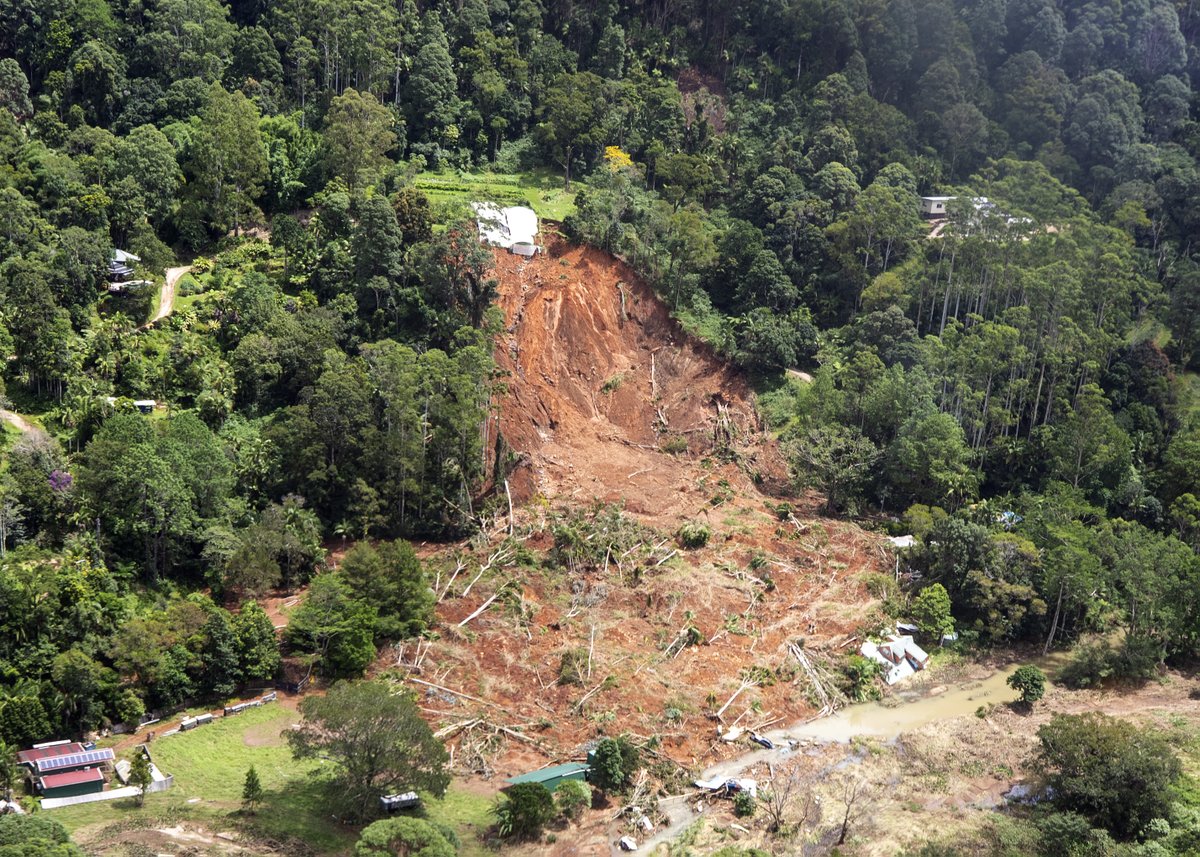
<point>595,389</point>
<point>600,376</point>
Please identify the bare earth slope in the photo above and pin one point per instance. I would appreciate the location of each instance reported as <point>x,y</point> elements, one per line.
<point>600,377</point>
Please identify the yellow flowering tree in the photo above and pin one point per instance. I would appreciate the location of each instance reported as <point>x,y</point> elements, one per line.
<point>617,158</point>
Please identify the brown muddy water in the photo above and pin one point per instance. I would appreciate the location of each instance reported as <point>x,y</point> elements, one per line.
<point>906,711</point>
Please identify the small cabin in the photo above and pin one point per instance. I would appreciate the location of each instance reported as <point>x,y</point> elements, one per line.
<point>74,761</point>
<point>554,775</point>
<point>120,271</point>
<point>934,206</point>
<point>29,758</point>
<point>120,265</point>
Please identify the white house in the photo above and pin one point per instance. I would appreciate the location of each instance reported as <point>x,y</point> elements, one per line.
<point>514,228</point>
<point>899,656</point>
<point>934,206</point>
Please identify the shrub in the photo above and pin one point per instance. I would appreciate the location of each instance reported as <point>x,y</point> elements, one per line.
<point>1137,659</point>
<point>34,834</point>
<point>524,811</point>
<point>1111,772</point>
<point>860,676</point>
<point>881,586</point>
<point>188,285</point>
<point>406,836</point>
<point>572,798</point>
<point>615,760</point>
<point>1090,665</point>
<point>674,445</point>
<point>743,805</point>
<point>1030,682</point>
<point>572,667</point>
<point>1071,833</point>
<point>693,536</point>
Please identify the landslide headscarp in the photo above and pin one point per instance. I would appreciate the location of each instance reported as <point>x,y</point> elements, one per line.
<point>601,380</point>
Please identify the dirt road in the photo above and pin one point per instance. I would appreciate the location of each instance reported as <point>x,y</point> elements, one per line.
<point>16,421</point>
<point>166,302</point>
<point>939,711</point>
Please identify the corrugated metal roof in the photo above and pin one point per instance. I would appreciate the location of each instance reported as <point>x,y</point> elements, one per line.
<point>505,227</point>
<point>551,773</point>
<point>75,760</point>
<point>71,778</point>
<point>28,757</point>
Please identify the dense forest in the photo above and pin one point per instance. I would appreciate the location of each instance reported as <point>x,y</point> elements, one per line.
<point>1014,384</point>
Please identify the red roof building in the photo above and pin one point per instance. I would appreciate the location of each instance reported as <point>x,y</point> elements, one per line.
<point>30,757</point>
<point>72,783</point>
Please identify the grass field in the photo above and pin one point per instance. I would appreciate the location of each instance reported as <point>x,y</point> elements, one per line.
<point>8,436</point>
<point>541,190</point>
<point>1150,329</point>
<point>209,765</point>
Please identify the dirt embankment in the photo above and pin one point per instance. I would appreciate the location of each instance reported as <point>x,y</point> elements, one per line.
<point>601,381</point>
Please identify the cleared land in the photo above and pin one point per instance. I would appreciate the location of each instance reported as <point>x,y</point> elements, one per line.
<point>944,780</point>
<point>541,190</point>
<point>203,809</point>
<point>609,400</point>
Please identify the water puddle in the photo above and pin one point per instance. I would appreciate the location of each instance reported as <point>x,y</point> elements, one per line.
<point>876,720</point>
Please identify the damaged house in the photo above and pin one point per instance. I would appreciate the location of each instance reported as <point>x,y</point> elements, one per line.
<point>899,656</point>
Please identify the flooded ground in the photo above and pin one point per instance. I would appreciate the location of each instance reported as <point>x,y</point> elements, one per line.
<point>906,711</point>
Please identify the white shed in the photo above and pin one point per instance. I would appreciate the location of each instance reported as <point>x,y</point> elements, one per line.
<point>934,206</point>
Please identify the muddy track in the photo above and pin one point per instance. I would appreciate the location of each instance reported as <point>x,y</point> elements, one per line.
<point>17,421</point>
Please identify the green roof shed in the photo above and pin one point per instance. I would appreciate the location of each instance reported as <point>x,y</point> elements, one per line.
<point>552,776</point>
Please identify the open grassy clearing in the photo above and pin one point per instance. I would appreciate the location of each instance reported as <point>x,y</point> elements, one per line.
<point>1150,329</point>
<point>209,765</point>
<point>186,302</point>
<point>541,190</point>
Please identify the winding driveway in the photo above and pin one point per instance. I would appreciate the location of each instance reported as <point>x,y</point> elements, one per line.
<point>166,299</point>
<point>166,305</point>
